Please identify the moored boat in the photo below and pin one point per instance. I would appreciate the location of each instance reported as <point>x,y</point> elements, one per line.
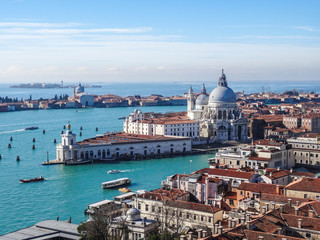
<point>77,162</point>
<point>124,190</point>
<point>114,171</point>
<point>116,183</point>
<point>39,179</point>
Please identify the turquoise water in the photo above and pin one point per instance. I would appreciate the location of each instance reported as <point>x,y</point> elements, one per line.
<point>68,189</point>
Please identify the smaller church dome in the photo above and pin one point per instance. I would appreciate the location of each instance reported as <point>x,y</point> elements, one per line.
<point>79,89</point>
<point>133,214</point>
<point>203,98</point>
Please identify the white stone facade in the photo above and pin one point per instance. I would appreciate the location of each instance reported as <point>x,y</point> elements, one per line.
<point>113,146</point>
<point>218,114</point>
<point>171,126</point>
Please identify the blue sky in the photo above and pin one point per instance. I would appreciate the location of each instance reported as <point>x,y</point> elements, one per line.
<point>155,41</point>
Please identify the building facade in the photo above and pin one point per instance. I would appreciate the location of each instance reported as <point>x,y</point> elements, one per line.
<point>118,146</point>
<point>218,114</point>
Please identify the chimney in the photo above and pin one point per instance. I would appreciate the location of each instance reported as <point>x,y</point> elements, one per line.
<point>183,237</point>
<point>311,215</point>
<point>264,210</point>
<point>199,233</point>
<point>278,169</point>
<point>189,235</point>
<point>216,228</point>
<point>242,220</point>
<point>270,174</point>
<point>281,208</point>
<point>220,230</point>
<point>260,237</point>
<point>229,223</point>
<point>248,217</point>
<point>233,224</point>
<point>290,202</point>
<point>267,207</point>
<point>248,225</point>
<point>291,170</point>
<point>273,206</point>
<point>204,233</point>
<point>296,211</point>
<point>299,222</point>
<point>278,189</point>
<point>297,203</point>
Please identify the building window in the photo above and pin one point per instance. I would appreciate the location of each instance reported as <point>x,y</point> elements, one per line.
<point>139,206</point>
<point>147,207</point>
<point>305,195</point>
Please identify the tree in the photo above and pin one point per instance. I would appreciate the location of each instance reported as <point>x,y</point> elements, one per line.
<point>156,235</point>
<point>98,228</point>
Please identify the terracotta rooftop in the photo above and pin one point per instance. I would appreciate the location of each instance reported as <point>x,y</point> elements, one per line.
<point>121,137</point>
<point>193,206</point>
<point>162,195</point>
<point>305,184</point>
<point>216,172</point>
<point>281,199</point>
<point>261,187</point>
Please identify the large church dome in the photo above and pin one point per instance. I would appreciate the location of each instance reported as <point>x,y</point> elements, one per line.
<point>222,93</point>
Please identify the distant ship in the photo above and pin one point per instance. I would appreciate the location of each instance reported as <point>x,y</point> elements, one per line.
<point>116,183</point>
<point>114,171</point>
<point>31,128</point>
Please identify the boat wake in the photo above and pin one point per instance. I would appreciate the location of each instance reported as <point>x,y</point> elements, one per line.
<point>18,130</point>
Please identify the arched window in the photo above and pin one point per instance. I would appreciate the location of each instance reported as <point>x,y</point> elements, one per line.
<point>219,114</point>
<point>82,155</point>
<point>224,114</point>
<point>108,152</point>
<point>99,153</point>
<point>91,153</point>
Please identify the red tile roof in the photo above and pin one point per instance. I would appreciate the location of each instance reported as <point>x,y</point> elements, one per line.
<point>216,172</point>
<point>305,184</point>
<point>261,187</point>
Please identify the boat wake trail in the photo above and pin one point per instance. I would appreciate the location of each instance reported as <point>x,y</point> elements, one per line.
<point>127,170</point>
<point>19,130</point>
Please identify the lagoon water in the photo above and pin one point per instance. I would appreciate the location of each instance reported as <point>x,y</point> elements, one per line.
<point>68,189</point>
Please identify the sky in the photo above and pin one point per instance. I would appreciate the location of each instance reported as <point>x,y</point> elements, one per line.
<point>157,41</point>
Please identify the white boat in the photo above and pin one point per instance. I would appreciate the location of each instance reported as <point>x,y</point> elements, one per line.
<point>116,183</point>
<point>114,171</point>
<point>141,191</point>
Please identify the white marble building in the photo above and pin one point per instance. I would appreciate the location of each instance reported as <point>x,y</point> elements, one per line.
<point>218,114</point>
<point>118,146</point>
<point>177,125</point>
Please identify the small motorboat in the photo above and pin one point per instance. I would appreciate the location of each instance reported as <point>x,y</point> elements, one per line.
<point>39,179</point>
<point>114,171</point>
<point>124,190</point>
<point>31,128</point>
<point>141,191</point>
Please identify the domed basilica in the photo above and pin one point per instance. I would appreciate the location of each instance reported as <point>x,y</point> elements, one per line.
<point>218,114</point>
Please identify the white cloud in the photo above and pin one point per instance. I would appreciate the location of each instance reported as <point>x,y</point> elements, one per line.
<point>306,28</point>
<point>37,25</point>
